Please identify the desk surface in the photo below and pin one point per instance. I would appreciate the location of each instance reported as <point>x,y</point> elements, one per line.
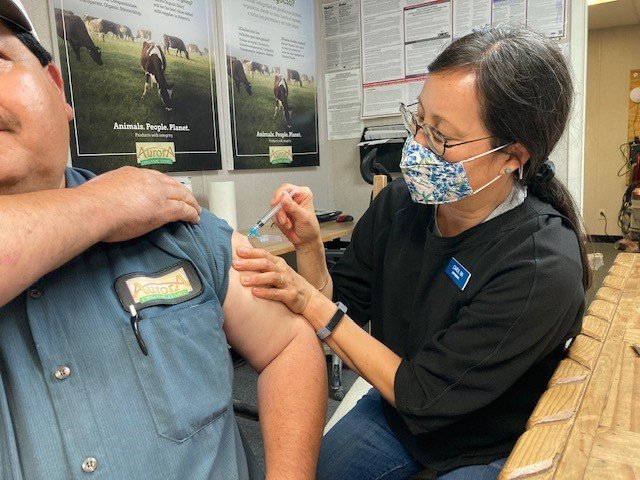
<point>587,423</point>
<point>328,230</point>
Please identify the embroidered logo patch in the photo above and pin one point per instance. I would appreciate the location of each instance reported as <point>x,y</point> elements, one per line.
<point>170,286</point>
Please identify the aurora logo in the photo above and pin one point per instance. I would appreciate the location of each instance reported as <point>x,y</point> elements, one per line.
<point>155,153</point>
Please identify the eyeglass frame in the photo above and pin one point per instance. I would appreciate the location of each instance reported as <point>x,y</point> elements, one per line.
<point>426,128</point>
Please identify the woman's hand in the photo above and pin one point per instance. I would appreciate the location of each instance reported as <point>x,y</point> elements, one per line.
<point>297,219</point>
<point>276,280</point>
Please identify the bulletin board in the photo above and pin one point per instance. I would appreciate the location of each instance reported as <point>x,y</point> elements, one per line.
<point>400,39</point>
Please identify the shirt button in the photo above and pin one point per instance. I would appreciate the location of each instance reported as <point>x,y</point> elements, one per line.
<point>35,293</point>
<point>62,372</point>
<point>89,465</point>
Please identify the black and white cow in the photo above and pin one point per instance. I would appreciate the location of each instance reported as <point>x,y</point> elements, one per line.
<point>281,92</point>
<point>154,64</point>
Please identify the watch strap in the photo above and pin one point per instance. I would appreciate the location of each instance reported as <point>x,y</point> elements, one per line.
<point>325,331</point>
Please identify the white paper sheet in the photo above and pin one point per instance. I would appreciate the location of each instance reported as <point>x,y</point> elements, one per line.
<point>343,93</point>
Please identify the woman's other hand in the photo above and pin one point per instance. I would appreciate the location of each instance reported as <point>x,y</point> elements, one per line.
<point>276,280</point>
<point>297,219</point>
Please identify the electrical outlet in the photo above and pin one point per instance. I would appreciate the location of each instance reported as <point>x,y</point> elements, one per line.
<point>601,214</point>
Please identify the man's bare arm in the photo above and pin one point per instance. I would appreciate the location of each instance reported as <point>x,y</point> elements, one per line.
<point>292,388</point>
<point>41,231</point>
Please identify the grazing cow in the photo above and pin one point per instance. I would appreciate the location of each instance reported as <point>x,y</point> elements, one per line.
<point>237,74</point>
<point>126,32</point>
<point>293,75</point>
<point>143,35</point>
<point>252,67</point>
<point>102,27</point>
<point>193,48</point>
<point>174,42</point>
<point>206,51</point>
<point>275,70</point>
<point>305,78</point>
<point>73,30</point>
<point>281,92</point>
<point>154,64</point>
<point>266,70</point>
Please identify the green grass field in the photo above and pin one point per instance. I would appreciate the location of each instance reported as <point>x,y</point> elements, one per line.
<point>112,93</point>
<point>255,113</point>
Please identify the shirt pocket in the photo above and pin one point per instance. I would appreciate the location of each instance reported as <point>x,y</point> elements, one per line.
<point>186,378</point>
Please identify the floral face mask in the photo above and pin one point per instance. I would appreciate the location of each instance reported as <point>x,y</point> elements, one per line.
<point>431,179</point>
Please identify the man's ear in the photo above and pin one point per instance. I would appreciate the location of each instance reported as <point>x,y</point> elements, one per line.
<point>518,156</point>
<point>56,78</point>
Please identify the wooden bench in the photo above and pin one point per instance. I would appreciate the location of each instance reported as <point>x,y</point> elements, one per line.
<point>587,423</point>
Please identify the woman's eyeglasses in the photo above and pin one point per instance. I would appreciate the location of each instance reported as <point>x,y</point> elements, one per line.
<point>436,141</point>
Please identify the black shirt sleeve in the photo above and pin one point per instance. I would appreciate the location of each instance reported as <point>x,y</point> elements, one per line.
<point>353,274</point>
<point>521,315</point>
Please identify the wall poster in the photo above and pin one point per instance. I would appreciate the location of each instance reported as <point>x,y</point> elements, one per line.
<point>271,76</point>
<point>141,79</point>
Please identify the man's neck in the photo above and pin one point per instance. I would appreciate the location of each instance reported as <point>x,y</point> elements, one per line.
<point>454,218</point>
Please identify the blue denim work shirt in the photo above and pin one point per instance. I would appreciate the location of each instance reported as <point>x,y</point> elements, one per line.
<point>79,399</point>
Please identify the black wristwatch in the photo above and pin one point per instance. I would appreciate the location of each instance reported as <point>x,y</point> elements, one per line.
<point>324,332</point>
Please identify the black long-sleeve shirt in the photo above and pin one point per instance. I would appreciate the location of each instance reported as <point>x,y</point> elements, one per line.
<point>474,361</point>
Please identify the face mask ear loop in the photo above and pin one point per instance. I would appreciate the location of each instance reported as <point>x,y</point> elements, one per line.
<point>482,188</point>
<point>486,153</point>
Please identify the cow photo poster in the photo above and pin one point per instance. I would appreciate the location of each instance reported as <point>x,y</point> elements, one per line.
<point>141,79</point>
<point>270,63</point>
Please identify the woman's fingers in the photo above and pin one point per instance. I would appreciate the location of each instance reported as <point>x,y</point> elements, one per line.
<point>269,279</point>
<point>254,265</point>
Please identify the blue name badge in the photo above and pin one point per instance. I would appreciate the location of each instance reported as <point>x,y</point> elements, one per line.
<point>458,273</point>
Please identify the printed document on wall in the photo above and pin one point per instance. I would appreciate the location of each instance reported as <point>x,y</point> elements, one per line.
<point>341,24</point>
<point>343,90</point>
<point>547,16</point>
<point>470,16</point>
<point>399,40</point>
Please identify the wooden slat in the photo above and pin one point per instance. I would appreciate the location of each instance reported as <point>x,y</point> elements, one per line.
<point>625,259</point>
<point>379,182</point>
<point>569,371</point>
<point>619,271</point>
<point>617,446</point>
<point>575,457</point>
<point>613,281</point>
<point>585,350</point>
<point>609,294</point>
<point>598,469</point>
<point>536,451</point>
<point>557,404</point>
<point>594,327</point>
<point>602,309</point>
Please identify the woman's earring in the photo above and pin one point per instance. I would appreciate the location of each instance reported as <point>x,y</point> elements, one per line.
<point>520,172</point>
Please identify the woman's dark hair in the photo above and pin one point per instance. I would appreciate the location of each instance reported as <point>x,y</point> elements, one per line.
<point>29,41</point>
<point>525,93</point>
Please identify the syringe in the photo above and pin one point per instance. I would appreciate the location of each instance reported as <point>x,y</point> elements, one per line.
<point>263,221</point>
